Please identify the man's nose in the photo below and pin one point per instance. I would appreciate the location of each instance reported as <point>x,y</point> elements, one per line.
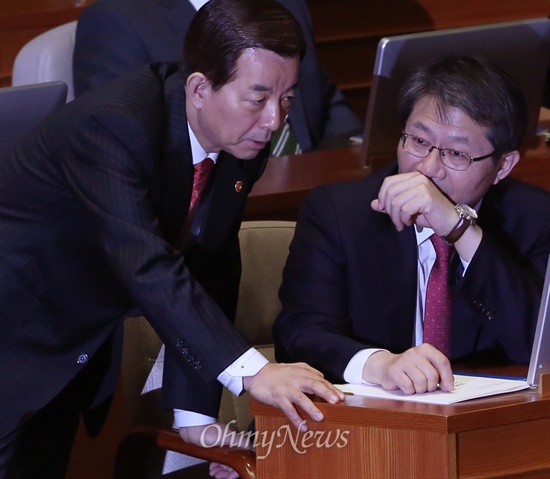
<point>431,166</point>
<point>273,117</point>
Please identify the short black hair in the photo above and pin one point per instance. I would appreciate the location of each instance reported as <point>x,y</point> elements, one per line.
<point>476,87</point>
<point>222,29</point>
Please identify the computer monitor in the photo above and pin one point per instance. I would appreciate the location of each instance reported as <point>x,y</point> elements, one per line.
<point>540,355</point>
<point>520,48</point>
<point>23,107</point>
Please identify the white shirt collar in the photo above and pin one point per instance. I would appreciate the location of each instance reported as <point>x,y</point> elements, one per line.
<point>422,235</point>
<point>198,3</point>
<point>197,151</point>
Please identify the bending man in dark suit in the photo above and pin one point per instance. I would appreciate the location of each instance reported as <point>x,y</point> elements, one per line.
<point>117,36</point>
<point>355,281</point>
<point>94,219</point>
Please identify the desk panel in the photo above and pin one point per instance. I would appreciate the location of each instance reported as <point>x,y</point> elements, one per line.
<point>500,436</point>
<point>510,449</point>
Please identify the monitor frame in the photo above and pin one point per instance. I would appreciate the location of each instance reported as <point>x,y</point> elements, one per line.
<point>526,61</point>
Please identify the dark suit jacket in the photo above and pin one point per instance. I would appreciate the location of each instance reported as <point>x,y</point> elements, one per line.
<point>91,205</point>
<point>350,281</point>
<point>116,36</point>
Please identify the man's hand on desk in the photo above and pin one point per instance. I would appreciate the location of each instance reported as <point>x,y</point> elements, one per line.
<point>279,385</point>
<point>417,370</point>
<point>286,385</point>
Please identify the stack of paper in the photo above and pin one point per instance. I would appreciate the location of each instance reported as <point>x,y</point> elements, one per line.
<point>466,387</point>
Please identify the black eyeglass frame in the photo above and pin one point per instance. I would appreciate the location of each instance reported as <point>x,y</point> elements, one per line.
<point>405,135</point>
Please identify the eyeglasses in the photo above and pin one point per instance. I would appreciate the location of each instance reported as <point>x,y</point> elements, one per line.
<point>453,159</point>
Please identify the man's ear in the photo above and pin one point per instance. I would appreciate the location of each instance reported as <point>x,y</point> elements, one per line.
<point>197,87</point>
<point>506,165</point>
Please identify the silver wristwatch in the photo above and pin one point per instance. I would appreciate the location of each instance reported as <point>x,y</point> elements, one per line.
<point>467,217</point>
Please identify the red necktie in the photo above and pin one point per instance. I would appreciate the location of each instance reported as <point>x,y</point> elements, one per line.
<point>438,314</point>
<point>200,177</point>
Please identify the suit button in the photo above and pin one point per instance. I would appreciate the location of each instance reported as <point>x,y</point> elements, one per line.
<point>197,365</point>
<point>82,358</point>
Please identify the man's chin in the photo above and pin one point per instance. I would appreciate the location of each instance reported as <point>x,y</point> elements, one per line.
<point>249,152</point>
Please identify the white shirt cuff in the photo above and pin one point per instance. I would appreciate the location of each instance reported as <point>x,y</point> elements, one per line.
<point>249,364</point>
<point>188,418</point>
<point>353,374</point>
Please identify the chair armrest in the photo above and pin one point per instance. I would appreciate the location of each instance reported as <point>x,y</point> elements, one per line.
<point>133,456</point>
<point>242,460</point>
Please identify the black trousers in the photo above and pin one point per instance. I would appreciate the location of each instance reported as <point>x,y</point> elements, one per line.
<point>41,447</point>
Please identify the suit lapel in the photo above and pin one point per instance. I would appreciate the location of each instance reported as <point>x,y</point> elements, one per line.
<point>401,248</point>
<point>391,283</point>
<point>404,258</point>
<point>222,202</point>
<point>173,177</point>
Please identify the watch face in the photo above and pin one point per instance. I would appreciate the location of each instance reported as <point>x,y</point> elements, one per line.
<point>466,211</point>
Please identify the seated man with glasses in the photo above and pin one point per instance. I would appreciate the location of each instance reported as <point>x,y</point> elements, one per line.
<point>367,299</point>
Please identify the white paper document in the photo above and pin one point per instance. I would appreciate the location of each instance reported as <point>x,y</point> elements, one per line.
<point>466,387</point>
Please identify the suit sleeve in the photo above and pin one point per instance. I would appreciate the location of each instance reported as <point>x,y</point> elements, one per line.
<point>107,165</point>
<point>499,296</point>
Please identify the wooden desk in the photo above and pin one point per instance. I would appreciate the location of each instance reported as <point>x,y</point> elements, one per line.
<point>505,436</point>
<point>280,191</point>
<point>534,166</point>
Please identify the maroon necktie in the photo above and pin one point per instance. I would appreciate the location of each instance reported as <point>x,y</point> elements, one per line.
<point>200,177</point>
<point>438,313</point>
